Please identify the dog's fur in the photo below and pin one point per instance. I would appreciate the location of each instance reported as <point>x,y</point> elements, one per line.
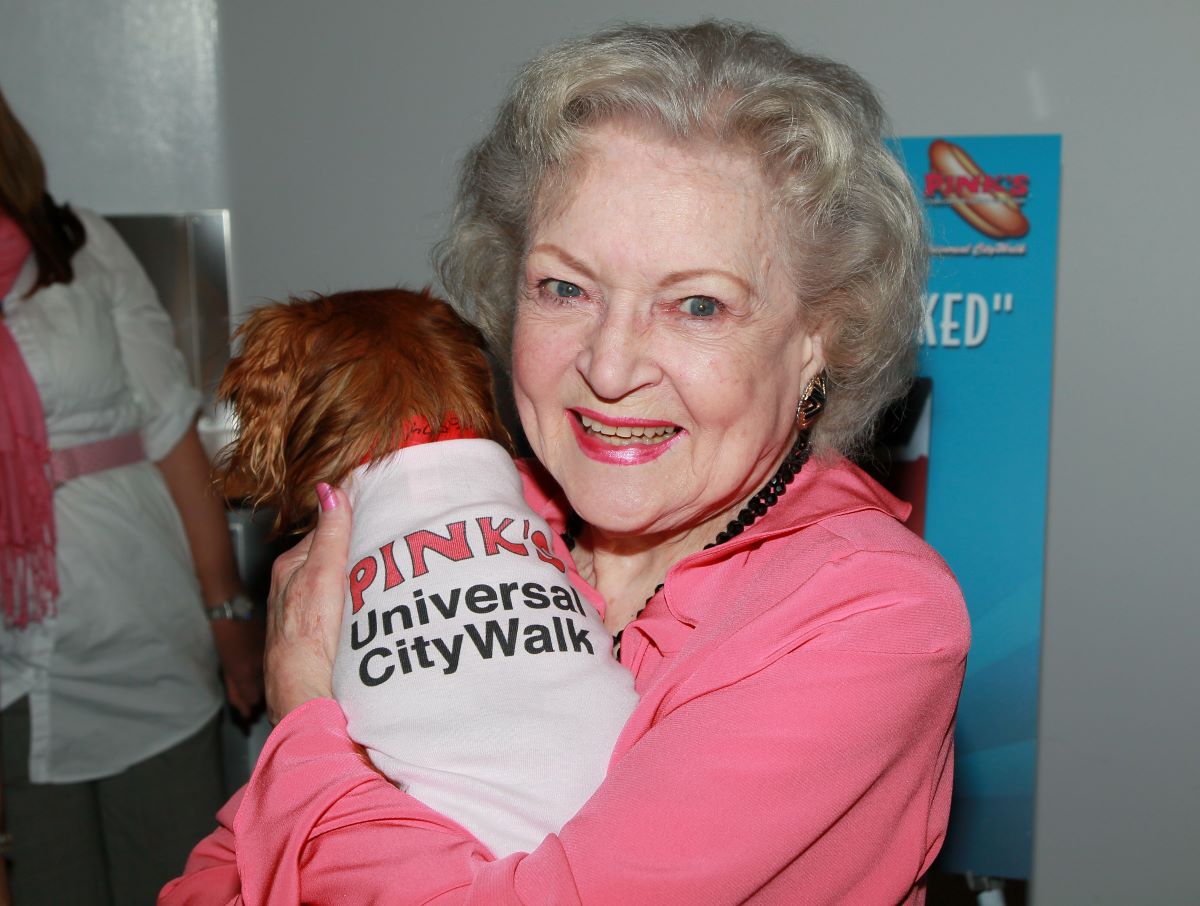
<point>326,384</point>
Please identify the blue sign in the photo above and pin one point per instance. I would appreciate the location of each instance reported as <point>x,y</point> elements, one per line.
<point>982,449</point>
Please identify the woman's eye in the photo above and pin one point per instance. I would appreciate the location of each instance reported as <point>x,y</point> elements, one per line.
<point>700,306</point>
<point>562,289</point>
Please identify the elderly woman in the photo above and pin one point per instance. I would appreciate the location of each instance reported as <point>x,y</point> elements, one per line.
<point>706,269</point>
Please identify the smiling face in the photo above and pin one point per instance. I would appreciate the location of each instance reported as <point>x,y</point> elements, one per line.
<point>658,354</point>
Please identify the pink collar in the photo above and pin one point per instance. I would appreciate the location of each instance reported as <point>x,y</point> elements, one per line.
<point>417,430</point>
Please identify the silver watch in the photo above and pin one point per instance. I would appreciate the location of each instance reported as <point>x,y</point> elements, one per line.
<point>239,607</point>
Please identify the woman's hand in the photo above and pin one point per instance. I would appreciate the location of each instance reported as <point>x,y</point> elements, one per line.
<point>240,650</point>
<point>304,609</point>
<point>239,644</point>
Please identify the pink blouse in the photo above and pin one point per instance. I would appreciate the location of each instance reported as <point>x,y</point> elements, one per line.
<point>793,744</point>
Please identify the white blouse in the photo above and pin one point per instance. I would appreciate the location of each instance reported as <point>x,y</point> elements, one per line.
<point>127,668</point>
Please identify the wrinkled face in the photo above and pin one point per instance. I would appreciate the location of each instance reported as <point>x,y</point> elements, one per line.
<point>658,354</point>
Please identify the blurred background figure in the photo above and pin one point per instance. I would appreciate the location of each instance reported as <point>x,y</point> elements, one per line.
<point>120,592</point>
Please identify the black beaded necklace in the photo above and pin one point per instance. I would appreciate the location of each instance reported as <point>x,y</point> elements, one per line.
<point>758,505</point>
<point>754,510</point>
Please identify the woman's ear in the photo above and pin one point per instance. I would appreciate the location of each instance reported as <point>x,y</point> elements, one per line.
<point>811,355</point>
<point>260,386</point>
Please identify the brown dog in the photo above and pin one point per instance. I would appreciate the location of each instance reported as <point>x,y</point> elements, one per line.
<point>326,384</point>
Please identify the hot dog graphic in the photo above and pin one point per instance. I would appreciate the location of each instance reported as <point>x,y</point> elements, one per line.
<point>976,197</point>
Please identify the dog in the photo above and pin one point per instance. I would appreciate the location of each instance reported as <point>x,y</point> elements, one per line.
<point>326,384</point>
<point>473,663</point>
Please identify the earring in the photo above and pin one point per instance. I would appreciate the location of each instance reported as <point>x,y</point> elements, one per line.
<point>811,402</point>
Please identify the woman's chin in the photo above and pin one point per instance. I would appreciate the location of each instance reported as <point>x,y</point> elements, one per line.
<point>615,514</point>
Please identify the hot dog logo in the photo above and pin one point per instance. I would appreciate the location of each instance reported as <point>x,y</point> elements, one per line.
<point>990,204</point>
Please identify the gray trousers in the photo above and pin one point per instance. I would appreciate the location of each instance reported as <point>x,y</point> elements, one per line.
<point>108,842</point>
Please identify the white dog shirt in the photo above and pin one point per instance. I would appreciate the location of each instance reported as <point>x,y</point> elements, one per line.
<point>470,669</point>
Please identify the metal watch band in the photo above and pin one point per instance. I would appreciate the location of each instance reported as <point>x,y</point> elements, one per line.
<point>238,607</point>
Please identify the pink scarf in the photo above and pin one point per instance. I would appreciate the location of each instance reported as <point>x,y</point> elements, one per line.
<point>28,579</point>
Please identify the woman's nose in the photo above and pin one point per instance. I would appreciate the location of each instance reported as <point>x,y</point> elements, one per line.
<point>616,358</point>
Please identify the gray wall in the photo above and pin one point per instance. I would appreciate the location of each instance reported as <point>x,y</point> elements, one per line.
<point>122,98</point>
<point>334,139</point>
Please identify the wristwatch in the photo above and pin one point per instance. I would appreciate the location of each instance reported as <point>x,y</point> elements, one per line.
<point>238,607</point>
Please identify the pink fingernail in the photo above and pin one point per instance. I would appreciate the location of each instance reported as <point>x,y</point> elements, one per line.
<point>325,495</point>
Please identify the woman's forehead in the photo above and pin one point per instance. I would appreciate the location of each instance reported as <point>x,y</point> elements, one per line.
<point>636,194</point>
<point>702,153</point>
<point>621,137</point>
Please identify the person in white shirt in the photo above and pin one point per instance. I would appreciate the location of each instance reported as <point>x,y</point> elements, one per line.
<point>112,546</point>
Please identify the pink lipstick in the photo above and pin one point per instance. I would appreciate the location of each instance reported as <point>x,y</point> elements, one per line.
<point>621,441</point>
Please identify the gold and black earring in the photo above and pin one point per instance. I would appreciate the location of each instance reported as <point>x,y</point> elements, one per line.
<point>811,402</point>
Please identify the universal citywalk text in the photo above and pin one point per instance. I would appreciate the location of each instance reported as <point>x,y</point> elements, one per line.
<point>521,617</point>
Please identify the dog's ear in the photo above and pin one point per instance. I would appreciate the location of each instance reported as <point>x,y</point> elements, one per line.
<point>260,385</point>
